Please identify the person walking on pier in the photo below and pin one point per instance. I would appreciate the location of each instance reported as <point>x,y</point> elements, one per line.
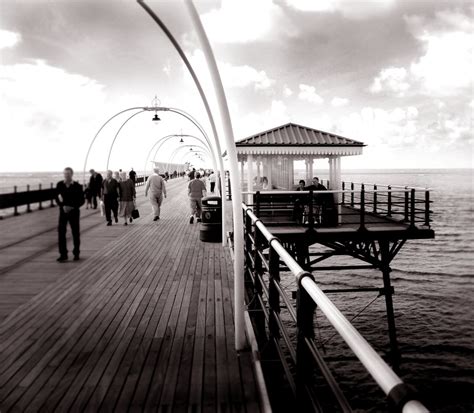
<point>110,198</point>
<point>69,197</point>
<point>156,188</point>
<point>95,186</point>
<point>196,191</point>
<point>127,197</point>
<point>212,181</point>
<point>133,176</point>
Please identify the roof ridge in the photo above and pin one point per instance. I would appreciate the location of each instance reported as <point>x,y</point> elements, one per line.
<point>347,141</point>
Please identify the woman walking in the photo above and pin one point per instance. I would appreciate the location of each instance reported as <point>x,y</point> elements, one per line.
<point>127,197</point>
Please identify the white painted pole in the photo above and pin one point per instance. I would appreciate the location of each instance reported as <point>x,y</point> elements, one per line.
<point>201,94</point>
<point>240,340</point>
<point>249,177</point>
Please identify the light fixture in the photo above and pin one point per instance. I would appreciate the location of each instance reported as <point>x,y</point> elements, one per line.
<point>190,149</point>
<point>181,140</point>
<point>156,118</point>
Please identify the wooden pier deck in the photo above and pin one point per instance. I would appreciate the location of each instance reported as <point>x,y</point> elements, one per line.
<point>143,322</point>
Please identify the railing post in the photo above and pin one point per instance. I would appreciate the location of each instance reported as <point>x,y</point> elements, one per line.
<point>40,206</point>
<point>406,203</point>
<point>257,203</point>
<point>389,201</point>
<point>352,194</point>
<point>375,199</point>
<point>343,193</point>
<point>256,307</point>
<point>52,197</point>
<point>248,241</point>
<point>28,206</point>
<point>412,208</point>
<point>362,209</point>
<point>305,307</point>
<point>310,212</point>
<point>15,208</point>
<point>273,295</point>
<point>427,208</point>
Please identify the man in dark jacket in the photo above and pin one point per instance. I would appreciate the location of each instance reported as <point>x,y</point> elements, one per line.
<point>69,197</point>
<point>133,176</point>
<point>110,191</point>
<point>95,186</point>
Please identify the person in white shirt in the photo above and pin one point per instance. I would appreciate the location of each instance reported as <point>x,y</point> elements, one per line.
<point>212,180</point>
<point>156,188</point>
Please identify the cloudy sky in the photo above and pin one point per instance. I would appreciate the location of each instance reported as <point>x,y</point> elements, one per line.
<point>395,74</point>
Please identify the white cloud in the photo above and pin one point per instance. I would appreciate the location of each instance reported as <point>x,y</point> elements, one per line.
<point>287,92</point>
<point>338,102</point>
<point>276,114</point>
<point>446,66</point>
<point>232,76</point>
<point>245,21</point>
<point>308,93</point>
<point>243,76</point>
<point>9,39</point>
<point>376,126</point>
<point>348,8</point>
<point>44,105</point>
<point>391,79</point>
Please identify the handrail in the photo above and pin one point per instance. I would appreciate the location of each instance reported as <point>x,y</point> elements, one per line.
<point>384,376</point>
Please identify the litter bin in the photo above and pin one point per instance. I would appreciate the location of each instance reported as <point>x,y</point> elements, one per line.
<point>211,219</point>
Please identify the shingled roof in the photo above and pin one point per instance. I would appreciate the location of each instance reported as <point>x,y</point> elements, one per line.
<point>292,134</point>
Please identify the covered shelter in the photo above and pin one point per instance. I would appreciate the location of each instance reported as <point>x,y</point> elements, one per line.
<point>267,158</point>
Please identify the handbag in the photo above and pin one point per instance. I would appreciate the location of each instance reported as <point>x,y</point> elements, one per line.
<point>135,214</point>
<point>102,208</point>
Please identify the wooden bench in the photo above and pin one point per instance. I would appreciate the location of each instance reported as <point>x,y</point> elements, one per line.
<point>281,208</point>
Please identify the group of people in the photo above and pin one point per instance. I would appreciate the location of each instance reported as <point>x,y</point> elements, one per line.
<point>323,205</point>
<point>116,190</point>
<point>117,195</point>
<point>113,191</point>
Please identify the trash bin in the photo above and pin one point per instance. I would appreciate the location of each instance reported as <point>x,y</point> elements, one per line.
<point>211,219</point>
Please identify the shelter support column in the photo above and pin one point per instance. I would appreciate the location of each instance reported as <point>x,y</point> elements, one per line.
<point>270,172</point>
<point>338,185</point>
<point>331,173</point>
<point>259,173</point>
<point>249,177</point>
<point>311,173</point>
<point>291,173</point>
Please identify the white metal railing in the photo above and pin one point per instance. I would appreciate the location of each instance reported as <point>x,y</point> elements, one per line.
<point>391,384</point>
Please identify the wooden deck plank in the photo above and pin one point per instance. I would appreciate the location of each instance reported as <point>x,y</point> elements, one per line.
<point>116,331</point>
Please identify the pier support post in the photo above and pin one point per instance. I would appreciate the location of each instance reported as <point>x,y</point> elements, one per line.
<point>40,206</point>
<point>388,291</point>
<point>305,307</point>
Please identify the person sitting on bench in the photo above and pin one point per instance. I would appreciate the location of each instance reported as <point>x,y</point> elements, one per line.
<point>298,209</point>
<point>318,198</point>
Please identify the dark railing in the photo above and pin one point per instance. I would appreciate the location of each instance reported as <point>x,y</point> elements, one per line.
<point>355,204</point>
<point>38,196</point>
<point>264,255</point>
